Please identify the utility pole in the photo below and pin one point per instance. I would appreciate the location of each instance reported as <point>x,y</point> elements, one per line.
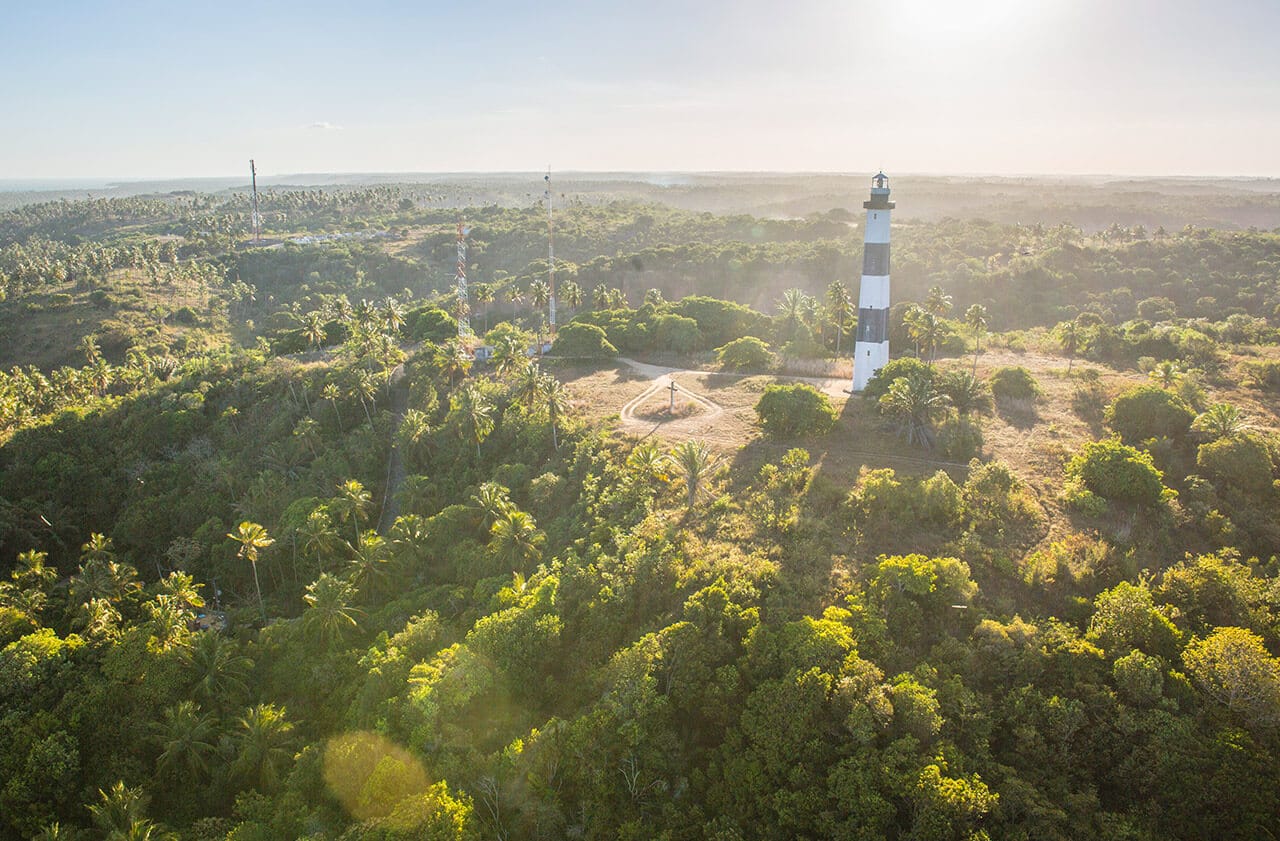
<point>551,257</point>
<point>671,410</point>
<point>257,220</point>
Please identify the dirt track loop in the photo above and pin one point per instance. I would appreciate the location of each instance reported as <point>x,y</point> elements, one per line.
<point>711,421</point>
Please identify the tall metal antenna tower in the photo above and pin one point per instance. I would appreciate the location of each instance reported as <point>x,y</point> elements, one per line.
<point>257,220</point>
<point>460,279</point>
<point>551,256</point>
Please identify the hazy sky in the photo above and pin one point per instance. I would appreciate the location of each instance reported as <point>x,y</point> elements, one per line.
<point>174,88</point>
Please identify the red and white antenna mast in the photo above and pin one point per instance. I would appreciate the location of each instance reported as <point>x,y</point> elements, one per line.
<point>257,220</point>
<point>460,280</point>
<point>551,257</point>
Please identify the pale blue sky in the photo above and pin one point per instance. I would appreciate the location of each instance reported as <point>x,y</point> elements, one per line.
<point>167,89</point>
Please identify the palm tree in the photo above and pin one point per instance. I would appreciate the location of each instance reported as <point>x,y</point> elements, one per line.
<point>509,356</point>
<point>1166,373</point>
<point>696,462</point>
<point>516,539</point>
<point>392,315</point>
<point>484,294</point>
<point>329,612</point>
<point>937,302</point>
<point>187,739</point>
<point>914,401</point>
<point>219,672</point>
<point>352,503</point>
<point>840,305</point>
<point>364,388</point>
<point>313,329</point>
<point>451,360</point>
<point>555,398</point>
<point>966,392</point>
<point>976,319</point>
<point>57,832</point>
<point>1221,420</point>
<point>571,294</point>
<point>252,537</point>
<point>332,393</point>
<point>263,745</point>
<point>1069,337</point>
<point>650,462</point>
<point>320,539</point>
<point>473,412</point>
<point>368,563</point>
<point>119,811</point>
<point>493,501</point>
<point>791,306</point>
<point>653,298</point>
<point>515,297</point>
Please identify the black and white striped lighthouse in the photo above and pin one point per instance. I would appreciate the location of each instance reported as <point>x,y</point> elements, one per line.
<point>871,353</point>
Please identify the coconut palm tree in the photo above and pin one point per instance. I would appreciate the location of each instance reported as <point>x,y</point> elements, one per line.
<point>937,302</point>
<point>391,314</point>
<point>484,294</point>
<point>219,672</point>
<point>313,329</point>
<point>1166,374</point>
<point>516,540</point>
<point>187,739</point>
<point>252,538</point>
<point>975,318</point>
<point>353,503</point>
<point>473,413</point>
<point>452,360</point>
<point>263,745</point>
<point>368,564</point>
<point>493,501</point>
<point>571,294</point>
<point>791,308</point>
<point>914,401</point>
<point>695,462</point>
<point>553,396</point>
<point>329,612</point>
<point>320,540</point>
<point>1068,333</point>
<point>333,394</point>
<point>840,305</point>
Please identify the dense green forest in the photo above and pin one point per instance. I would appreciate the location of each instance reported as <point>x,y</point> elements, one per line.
<point>280,559</point>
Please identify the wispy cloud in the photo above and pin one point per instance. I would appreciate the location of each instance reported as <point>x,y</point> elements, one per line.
<point>324,125</point>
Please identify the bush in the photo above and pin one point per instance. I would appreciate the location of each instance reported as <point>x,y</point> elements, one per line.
<point>1117,472</point>
<point>788,410</point>
<point>745,354</point>
<point>1015,383</point>
<point>1240,460</point>
<point>960,439</point>
<point>676,333</point>
<point>583,341</point>
<point>1149,412</point>
<point>878,385</point>
<point>428,325</point>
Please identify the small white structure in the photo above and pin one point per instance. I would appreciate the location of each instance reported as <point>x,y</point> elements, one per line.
<point>871,352</point>
<point>482,353</point>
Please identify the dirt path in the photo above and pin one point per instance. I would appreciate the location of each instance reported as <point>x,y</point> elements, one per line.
<point>831,386</point>
<point>395,463</point>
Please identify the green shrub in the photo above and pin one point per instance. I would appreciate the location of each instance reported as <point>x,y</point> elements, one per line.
<point>583,341</point>
<point>675,333</point>
<point>788,410</point>
<point>745,354</point>
<point>1264,375</point>
<point>1014,383</point>
<point>427,325</point>
<point>1117,472</point>
<point>1239,460</point>
<point>1149,412</point>
<point>878,385</point>
<point>960,438</point>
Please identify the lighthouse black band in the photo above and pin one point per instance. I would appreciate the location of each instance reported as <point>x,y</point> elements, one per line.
<point>875,259</point>
<point>873,325</point>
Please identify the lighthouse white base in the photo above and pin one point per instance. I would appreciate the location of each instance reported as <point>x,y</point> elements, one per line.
<point>868,358</point>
